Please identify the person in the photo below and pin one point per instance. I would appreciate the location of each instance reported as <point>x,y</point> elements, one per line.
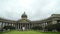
<point>23,28</point>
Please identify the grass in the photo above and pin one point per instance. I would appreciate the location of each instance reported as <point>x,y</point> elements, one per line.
<point>28,32</point>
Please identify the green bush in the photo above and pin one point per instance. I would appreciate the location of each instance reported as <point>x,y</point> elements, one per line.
<point>52,27</point>
<point>8,27</point>
<point>37,28</point>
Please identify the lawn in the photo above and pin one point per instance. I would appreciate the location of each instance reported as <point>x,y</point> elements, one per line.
<point>28,32</point>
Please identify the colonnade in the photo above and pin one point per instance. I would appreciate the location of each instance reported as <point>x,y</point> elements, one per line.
<point>3,24</point>
<point>26,25</point>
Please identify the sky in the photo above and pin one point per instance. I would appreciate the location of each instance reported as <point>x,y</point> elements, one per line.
<point>35,9</point>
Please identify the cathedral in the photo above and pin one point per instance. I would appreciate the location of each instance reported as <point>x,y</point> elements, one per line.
<point>28,24</point>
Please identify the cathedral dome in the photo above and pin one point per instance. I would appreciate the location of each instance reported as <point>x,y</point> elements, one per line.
<point>24,15</point>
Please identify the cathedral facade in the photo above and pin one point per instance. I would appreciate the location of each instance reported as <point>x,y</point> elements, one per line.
<point>28,24</point>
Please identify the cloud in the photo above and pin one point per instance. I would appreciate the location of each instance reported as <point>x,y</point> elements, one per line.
<point>35,9</point>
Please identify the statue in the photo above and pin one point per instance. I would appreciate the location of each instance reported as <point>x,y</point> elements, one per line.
<point>23,28</point>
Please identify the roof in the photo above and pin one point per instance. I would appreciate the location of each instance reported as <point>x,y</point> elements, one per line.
<point>27,20</point>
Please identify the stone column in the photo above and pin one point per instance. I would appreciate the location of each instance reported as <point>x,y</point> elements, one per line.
<point>11,24</point>
<point>29,25</point>
<point>25,25</point>
<point>2,25</point>
<point>18,26</point>
<point>15,25</point>
<point>21,25</point>
<point>32,25</point>
<point>6,24</point>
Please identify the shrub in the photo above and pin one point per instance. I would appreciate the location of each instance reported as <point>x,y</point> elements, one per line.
<point>52,27</point>
<point>8,27</point>
<point>37,28</point>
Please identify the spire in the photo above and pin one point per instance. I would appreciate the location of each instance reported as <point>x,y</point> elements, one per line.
<point>24,12</point>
